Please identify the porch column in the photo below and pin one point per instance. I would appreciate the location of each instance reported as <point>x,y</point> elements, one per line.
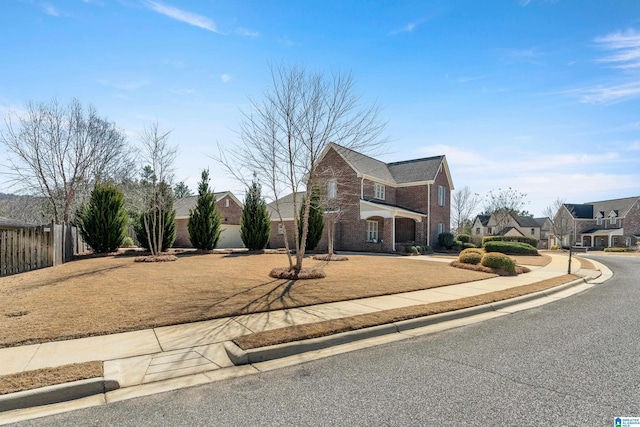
<point>393,231</point>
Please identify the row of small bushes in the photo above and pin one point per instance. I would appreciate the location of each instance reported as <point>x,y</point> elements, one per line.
<point>416,249</point>
<point>448,241</point>
<point>521,239</point>
<point>495,260</point>
<point>618,250</point>
<point>513,248</point>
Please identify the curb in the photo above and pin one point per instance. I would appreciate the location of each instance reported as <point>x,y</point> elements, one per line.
<point>242,357</point>
<point>56,393</point>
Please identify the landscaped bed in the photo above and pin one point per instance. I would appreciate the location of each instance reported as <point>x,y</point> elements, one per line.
<point>113,294</point>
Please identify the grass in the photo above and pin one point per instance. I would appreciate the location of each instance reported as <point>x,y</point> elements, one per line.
<point>28,380</point>
<point>335,326</point>
<point>106,295</point>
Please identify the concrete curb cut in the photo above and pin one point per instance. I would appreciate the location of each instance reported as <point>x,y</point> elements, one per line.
<point>56,393</point>
<point>242,357</point>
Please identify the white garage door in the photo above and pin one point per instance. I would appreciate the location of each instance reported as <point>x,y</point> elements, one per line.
<point>230,237</point>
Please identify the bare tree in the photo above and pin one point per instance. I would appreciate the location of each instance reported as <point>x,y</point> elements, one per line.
<point>158,156</point>
<point>285,134</point>
<point>503,204</point>
<point>61,151</point>
<point>561,219</point>
<point>464,204</point>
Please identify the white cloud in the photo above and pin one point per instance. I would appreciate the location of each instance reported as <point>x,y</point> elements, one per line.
<point>225,78</point>
<point>611,94</point>
<point>246,32</point>
<point>182,15</point>
<point>49,9</point>
<point>624,48</point>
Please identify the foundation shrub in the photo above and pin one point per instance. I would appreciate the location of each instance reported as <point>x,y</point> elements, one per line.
<point>521,239</point>
<point>513,248</point>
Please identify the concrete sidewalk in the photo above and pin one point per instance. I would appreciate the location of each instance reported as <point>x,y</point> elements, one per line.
<point>165,358</point>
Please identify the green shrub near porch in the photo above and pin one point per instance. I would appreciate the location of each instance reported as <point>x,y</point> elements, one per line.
<point>522,239</point>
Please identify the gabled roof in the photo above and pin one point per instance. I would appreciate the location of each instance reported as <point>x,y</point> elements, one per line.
<point>183,205</point>
<point>589,210</point>
<point>286,207</point>
<point>484,219</point>
<point>396,173</point>
<point>526,221</point>
<point>505,231</point>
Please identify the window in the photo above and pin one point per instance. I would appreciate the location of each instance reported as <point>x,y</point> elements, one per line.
<point>478,230</point>
<point>332,189</point>
<point>378,191</point>
<point>612,219</point>
<point>441,228</point>
<point>372,231</point>
<point>442,195</point>
<point>489,230</point>
<point>226,203</point>
<point>599,221</point>
<point>280,228</point>
<point>533,231</point>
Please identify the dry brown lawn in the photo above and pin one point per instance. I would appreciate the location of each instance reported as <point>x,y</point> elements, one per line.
<point>49,376</point>
<point>113,294</point>
<point>335,326</point>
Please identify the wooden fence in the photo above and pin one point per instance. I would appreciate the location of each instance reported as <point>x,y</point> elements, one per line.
<point>29,248</point>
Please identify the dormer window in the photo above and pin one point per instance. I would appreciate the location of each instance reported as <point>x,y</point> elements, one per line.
<point>612,218</point>
<point>378,191</point>
<point>599,218</point>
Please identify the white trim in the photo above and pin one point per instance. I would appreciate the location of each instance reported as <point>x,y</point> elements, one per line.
<point>386,211</point>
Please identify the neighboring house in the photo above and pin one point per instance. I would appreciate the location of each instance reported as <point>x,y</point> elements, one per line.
<point>603,224</point>
<point>230,209</point>
<point>505,224</point>
<point>380,205</point>
<point>545,232</point>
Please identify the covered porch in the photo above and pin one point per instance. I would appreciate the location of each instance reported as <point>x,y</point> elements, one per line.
<point>602,237</point>
<point>388,226</point>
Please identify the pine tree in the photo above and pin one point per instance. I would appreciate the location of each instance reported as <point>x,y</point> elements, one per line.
<point>103,223</point>
<point>204,219</point>
<point>316,220</point>
<point>255,226</point>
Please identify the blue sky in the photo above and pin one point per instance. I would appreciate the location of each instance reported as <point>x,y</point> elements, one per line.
<point>541,96</point>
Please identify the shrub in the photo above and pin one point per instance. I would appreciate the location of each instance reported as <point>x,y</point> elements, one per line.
<point>616,249</point>
<point>468,245</point>
<point>255,226</point>
<point>415,249</point>
<point>522,239</point>
<point>464,238</point>
<point>204,219</point>
<point>103,223</point>
<point>168,218</point>
<point>514,248</point>
<point>446,240</point>
<point>471,256</point>
<point>555,247</point>
<point>315,220</point>
<point>499,261</point>
<point>127,242</point>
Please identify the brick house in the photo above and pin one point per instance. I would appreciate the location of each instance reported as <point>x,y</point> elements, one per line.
<point>380,205</point>
<point>230,209</point>
<point>602,224</point>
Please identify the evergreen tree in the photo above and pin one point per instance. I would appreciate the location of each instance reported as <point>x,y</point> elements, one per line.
<point>255,225</point>
<point>154,214</point>
<point>103,223</point>
<point>204,219</point>
<point>316,220</point>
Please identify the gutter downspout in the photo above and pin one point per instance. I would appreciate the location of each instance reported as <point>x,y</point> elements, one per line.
<point>429,215</point>
<point>362,188</point>
<point>393,230</point>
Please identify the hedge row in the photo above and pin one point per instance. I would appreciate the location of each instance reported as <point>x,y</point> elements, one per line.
<point>514,248</point>
<point>522,239</point>
<point>498,260</point>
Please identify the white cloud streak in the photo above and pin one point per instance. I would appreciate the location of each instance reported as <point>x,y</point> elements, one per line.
<point>624,48</point>
<point>225,78</point>
<point>182,15</point>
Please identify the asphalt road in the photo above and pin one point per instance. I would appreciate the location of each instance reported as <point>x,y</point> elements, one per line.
<point>570,363</point>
